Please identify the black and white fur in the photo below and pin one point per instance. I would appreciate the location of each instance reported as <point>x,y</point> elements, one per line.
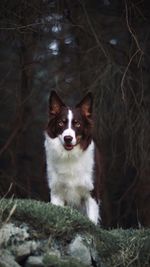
<point>70,156</point>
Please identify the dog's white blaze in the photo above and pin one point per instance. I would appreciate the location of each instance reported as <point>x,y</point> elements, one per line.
<point>69,131</point>
<point>70,118</point>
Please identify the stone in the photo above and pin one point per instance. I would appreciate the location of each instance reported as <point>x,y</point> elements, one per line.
<point>34,261</point>
<point>78,250</point>
<point>24,250</point>
<point>11,233</point>
<point>7,259</point>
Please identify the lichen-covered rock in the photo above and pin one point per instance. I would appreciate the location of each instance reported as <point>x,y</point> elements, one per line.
<point>22,251</point>
<point>12,233</point>
<point>79,250</point>
<point>83,247</point>
<point>7,259</point>
<point>34,261</point>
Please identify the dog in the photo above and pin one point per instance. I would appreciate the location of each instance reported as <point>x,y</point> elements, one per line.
<point>71,156</point>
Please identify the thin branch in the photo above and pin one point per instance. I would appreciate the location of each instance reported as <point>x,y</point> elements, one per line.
<point>125,72</point>
<point>130,30</point>
<point>10,139</point>
<point>93,31</point>
<point>21,27</point>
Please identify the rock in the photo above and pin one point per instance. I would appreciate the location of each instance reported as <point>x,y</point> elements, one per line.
<point>78,250</point>
<point>34,261</point>
<point>24,250</point>
<point>7,259</point>
<point>11,233</point>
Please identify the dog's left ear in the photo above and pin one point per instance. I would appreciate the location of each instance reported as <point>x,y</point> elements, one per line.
<point>86,105</point>
<point>55,103</point>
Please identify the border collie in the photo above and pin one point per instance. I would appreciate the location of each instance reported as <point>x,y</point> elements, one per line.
<point>70,156</point>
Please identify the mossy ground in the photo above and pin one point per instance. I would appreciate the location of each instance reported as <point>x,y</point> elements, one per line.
<point>116,247</point>
<point>49,219</point>
<point>54,261</point>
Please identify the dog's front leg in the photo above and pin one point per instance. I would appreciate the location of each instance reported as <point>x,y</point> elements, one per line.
<point>56,200</point>
<point>92,209</point>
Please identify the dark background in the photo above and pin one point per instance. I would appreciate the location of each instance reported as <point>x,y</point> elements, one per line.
<point>74,47</point>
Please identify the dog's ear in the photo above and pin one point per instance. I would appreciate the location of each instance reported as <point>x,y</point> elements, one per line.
<point>86,105</point>
<point>55,103</point>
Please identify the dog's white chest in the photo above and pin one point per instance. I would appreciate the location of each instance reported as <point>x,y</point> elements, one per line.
<point>73,181</point>
<point>70,174</point>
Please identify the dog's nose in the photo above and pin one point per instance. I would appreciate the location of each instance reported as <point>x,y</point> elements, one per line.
<point>68,139</point>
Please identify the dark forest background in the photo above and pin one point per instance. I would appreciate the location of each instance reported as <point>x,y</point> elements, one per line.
<point>73,47</point>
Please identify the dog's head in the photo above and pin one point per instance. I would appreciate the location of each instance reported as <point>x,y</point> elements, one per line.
<point>72,126</point>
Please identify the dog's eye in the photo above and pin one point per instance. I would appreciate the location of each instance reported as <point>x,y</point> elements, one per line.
<point>64,120</point>
<point>60,124</point>
<point>77,124</point>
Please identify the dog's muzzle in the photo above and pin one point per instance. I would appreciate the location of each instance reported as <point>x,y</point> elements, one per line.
<point>68,142</point>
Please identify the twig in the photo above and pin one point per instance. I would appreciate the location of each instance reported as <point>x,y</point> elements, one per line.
<point>10,187</point>
<point>11,213</point>
<point>10,139</point>
<point>133,56</point>
<point>21,27</point>
<point>93,31</point>
<point>125,72</point>
<point>130,30</point>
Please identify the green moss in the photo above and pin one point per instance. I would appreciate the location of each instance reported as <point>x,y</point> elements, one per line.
<point>54,261</point>
<point>48,218</point>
